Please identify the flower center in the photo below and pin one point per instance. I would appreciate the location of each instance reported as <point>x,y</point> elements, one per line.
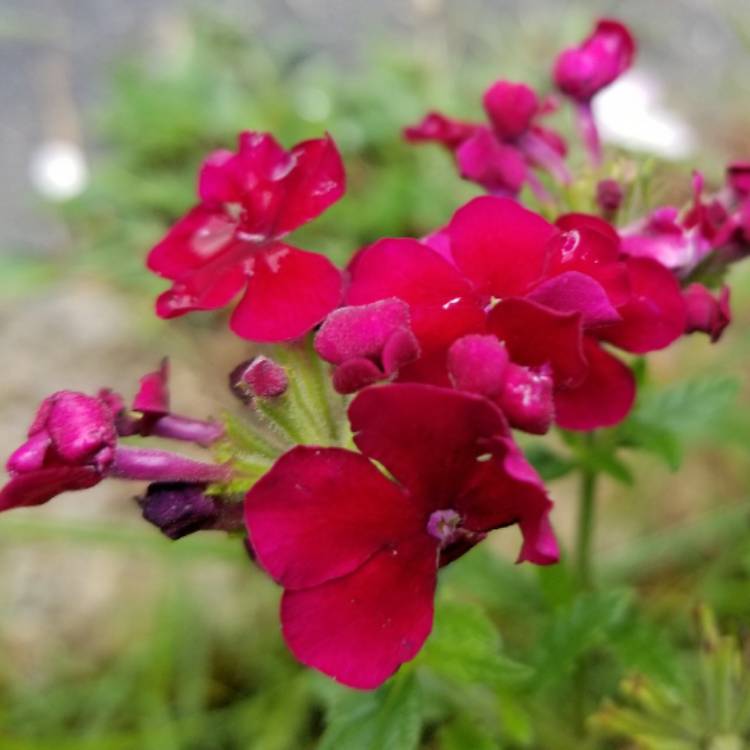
<point>444,525</point>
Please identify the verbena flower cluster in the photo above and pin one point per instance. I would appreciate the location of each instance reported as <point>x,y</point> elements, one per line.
<point>439,347</point>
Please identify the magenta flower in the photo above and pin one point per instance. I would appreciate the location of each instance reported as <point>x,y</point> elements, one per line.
<point>367,343</point>
<point>231,241</point>
<point>72,445</point>
<point>581,72</point>
<point>550,293</point>
<point>358,553</point>
<point>499,156</point>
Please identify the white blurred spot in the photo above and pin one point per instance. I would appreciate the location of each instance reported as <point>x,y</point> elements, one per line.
<point>630,113</point>
<point>58,170</point>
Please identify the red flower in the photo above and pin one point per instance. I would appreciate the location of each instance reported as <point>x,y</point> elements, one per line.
<point>498,156</point>
<point>230,241</point>
<point>550,293</point>
<point>358,553</point>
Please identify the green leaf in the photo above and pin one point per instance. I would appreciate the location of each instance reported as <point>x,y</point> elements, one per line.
<point>465,648</point>
<point>547,462</point>
<point>390,717</point>
<point>465,734</point>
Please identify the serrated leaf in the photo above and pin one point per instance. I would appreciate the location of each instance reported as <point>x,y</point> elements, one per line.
<point>465,647</point>
<point>576,629</point>
<point>390,717</point>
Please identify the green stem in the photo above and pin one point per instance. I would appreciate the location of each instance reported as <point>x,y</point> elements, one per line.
<point>586,522</point>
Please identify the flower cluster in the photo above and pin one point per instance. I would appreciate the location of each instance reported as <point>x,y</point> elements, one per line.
<point>439,347</point>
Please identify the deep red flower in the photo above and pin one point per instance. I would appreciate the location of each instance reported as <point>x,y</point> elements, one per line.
<point>358,553</point>
<point>550,292</point>
<point>231,241</point>
<point>499,156</point>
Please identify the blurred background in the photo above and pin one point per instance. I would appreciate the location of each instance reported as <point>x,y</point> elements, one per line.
<point>112,637</point>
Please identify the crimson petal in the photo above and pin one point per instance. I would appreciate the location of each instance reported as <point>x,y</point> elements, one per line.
<point>428,437</point>
<point>359,629</point>
<point>499,244</point>
<point>289,292</point>
<point>603,399</point>
<point>320,513</point>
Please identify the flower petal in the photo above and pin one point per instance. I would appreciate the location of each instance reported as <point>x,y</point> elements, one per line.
<point>496,166</point>
<point>320,513</point>
<point>153,392</point>
<point>39,486</point>
<point>655,314</point>
<point>441,129</point>
<point>441,300</point>
<point>536,335</point>
<point>427,437</point>
<point>603,399</point>
<point>359,629</point>
<point>574,291</point>
<point>499,245</point>
<point>288,293</point>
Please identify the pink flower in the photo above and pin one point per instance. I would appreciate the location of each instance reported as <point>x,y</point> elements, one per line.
<point>581,72</point>
<point>72,445</point>
<point>499,156</point>
<point>367,343</point>
<point>231,241</point>
<point>550,293</point>
<point>358,553</point>
<point>706,313</point>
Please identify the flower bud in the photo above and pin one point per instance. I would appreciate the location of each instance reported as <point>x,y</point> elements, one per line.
<point>258,377</point>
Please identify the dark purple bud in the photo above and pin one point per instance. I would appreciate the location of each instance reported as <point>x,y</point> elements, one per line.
<point>258,377</point>
<point>179,509</point>
<point>738,178</point>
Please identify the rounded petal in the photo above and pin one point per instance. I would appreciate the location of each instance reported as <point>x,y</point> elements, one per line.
<point>496,166</point>
<point>442,304</point>
<point>603,399</point>
<point>320,513</point>
<point>499,245</point>
<point>359,629</point>
<point>427,437</point>
<point>536,336</point>
<point>39,486</point>
<point>216,180</point>
<point>355,374</point>
<point>361,330</point>
<point>504,489</point>
<point>574,291</point>
<point>477,363</point>
<point>315,181</point>
<point>510,107</point>
<point>655,314</point>
<point>288,293</point>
